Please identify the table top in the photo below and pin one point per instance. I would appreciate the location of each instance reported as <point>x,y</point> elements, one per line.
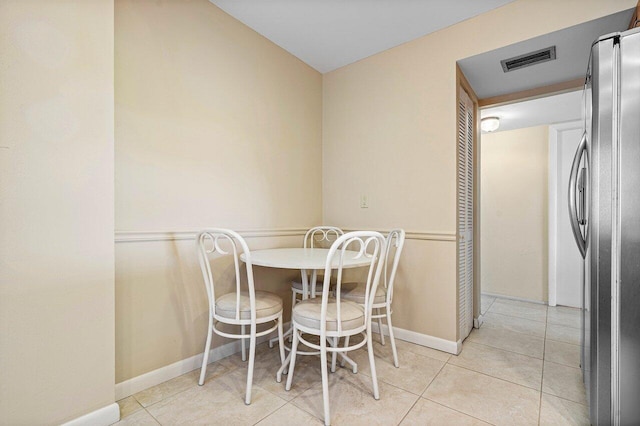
<point>302,258</point>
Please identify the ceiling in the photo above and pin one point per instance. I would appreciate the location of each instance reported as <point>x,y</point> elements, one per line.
<point>573,46</point>
<point>538,112</point>
<point>329,34</point>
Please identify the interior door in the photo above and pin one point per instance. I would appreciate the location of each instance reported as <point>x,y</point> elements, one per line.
<point>466,111</point>
<point>569,263</point>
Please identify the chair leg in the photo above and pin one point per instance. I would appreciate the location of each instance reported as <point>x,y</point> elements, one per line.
<point>205,357</point>
<point>283,368</point>
<point>292,361</point>
<point>252,358</point>
<point>294,301</point>
<point>281,339</point>
<point>325,381</point>
<point>346,343</point>
<point>312,284</point>
<point>372,365</point>
<point>392,338</point>
<point>334,355</point>
<point>380,327</point>
<point>243,344</point>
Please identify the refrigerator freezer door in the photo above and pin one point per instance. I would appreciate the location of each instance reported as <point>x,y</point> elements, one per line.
<point>626,341</point>
<point>597,315</point>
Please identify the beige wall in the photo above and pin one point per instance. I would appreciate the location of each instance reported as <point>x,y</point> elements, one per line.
<point>215,126</point>
<point>57,222</point>
<point>514,213</point>
<point>389,132</point>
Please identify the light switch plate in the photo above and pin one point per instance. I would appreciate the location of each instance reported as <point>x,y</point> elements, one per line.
<point>364,201</point>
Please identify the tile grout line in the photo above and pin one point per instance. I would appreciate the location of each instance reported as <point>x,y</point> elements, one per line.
<point>456,410</point>
<point>544,355</point>
<point>408,411</point>
<point>443,405</point>
<point>421,396</point>
<point>273,412</point>
<point>152,416</point>
<point>229,370</point>
<point>506,350</point>
<point>566,399</point>
<point>434,378</point>
<point>498,378</point>
<point>562,325</point>
<point>517,316</point>
<point>311,387</point>
<point>407,390</point>
<point>301,408</point>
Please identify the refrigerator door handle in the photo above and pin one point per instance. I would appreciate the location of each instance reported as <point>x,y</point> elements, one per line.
<point>573,211</point>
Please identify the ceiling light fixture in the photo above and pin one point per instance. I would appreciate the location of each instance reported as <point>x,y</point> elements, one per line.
<point>490,124</point>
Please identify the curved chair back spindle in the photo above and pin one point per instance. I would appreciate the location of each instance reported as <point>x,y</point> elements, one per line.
<point>395,243</point>
<point>368,244</point>
<point>328,322</point>
<point>237,308</point>
<point>226,242</point>
<point>321,236</point>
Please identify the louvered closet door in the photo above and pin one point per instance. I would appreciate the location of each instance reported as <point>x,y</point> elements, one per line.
<point>465,213</point>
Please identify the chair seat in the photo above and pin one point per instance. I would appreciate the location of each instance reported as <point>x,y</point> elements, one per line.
<point>307,313</point>
<point>267,304</point>
<point>355,292</point>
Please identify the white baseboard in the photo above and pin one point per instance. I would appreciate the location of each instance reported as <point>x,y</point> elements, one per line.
<point>171,371</point>
<point>161,375</point>
<point>101,417</point>
<point>520,299</point>
<point>422,339</point>
<point>477,322</point>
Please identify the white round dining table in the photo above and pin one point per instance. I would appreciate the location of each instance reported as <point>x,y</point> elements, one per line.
<point>304,259</point>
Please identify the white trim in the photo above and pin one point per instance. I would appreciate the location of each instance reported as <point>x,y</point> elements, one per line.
<point>101,417</point>
<point>431,236</point>
<point>554,130</point>
<point>419,235</point>
<point>422,339</point>
<point>477,322</point>
<point>171,371</point>
<point>552,210</point>
<point>142,236</point>
<point>519,299</point>
<point>148,236</point>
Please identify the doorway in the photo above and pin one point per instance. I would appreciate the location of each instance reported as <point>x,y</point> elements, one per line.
<point>528,250</point>
<point>497,83</point>
<point>565,263</point>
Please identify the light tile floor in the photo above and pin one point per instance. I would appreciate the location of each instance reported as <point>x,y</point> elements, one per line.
<point>520,368</point>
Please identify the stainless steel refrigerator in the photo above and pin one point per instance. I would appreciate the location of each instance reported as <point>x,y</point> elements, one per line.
<point>604,204</point>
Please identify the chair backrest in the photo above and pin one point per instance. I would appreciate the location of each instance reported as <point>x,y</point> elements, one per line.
<point>224,242</point>
<point>321,236</point>
<point>369,245</point>
<point>393,250</point>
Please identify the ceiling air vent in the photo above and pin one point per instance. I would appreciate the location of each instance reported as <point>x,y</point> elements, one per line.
<point>528,59</point>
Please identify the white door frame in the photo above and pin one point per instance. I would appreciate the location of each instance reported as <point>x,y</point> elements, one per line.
<point>554,130</point>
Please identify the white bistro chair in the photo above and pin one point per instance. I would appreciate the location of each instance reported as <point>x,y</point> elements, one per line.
<point>356,292</point>
<point>331,318</point>
<point>319,236</point>
<point>242,307</point>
